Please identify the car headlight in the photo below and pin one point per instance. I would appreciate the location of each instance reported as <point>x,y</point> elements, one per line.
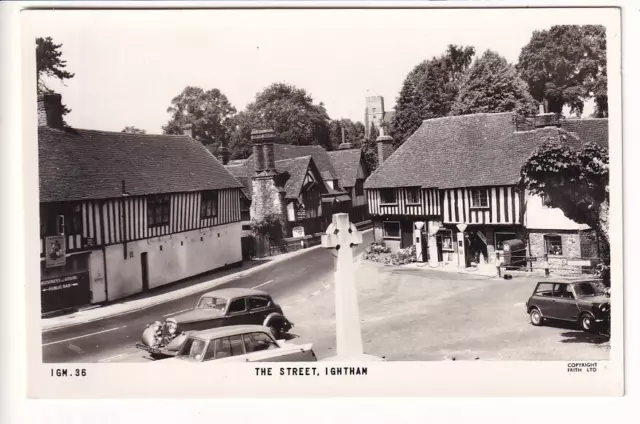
<point>172,328</point>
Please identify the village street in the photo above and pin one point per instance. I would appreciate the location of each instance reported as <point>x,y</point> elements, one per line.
<point>411,313</point>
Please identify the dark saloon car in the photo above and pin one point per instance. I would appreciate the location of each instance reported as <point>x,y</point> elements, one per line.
<point>583,301</point>
<point>218,308</point>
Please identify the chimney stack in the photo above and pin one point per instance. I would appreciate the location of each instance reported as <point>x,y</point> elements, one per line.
<point>224,154</point>
<point>187,129</point>
<point>50,111</point>
<point>263,149</point>
<point>385,147</point>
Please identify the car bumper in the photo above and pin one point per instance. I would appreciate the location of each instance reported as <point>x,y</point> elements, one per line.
<point>156,350</point>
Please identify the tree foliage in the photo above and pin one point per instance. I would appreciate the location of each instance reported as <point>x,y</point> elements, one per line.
<point>492,85</point>
<point>210,113</point>
<point>566,65</point>
<point>429,90</point>
<point>49,64</point>
<point>290,112</point>
<point>575,181</point>
<point>353,132</point>
<point>133,130</point>
<point>370,149</point>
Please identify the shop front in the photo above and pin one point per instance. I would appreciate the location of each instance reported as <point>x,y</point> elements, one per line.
<point>66,284</point>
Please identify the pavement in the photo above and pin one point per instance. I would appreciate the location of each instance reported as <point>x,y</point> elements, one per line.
<point>109,333</point>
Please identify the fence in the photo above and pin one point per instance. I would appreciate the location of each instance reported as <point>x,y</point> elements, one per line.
<point>549,265</point>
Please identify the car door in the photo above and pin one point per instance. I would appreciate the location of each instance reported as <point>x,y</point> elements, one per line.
<point>564,305</point>
<point>259,308</point>
<point>237,313</point>
<point>542,299</point>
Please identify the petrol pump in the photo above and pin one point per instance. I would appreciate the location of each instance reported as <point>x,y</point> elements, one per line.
<point>420,242</point>
<point>462,246</point>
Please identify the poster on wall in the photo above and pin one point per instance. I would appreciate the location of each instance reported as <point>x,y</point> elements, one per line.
<point>301,213</point>
<point>298,231</point>
<point>55,251</point>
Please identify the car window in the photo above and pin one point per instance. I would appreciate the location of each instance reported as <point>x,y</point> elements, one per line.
<point>237,305</point>
<point>258,302</point>
<point>255,342</point>
<point>237,345</point>
<point>562,291</point>
<point>544,289</point>
<point>587,288</point>
<point>213,303</point>
<point>223,348</point>
<point>210,353</point>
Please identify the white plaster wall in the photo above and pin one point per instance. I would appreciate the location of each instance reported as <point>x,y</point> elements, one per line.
<point>96,274</point>
<point>183,255</point>
<point>538,216</point>
<point>291,214</point>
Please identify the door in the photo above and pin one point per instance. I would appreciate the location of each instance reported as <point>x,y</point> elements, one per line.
<point>144,264</point>
<point>237,313</point>
<point>543,299</point>
<point>259,308</point>
<point>439,247</point>
<point>563,305</point>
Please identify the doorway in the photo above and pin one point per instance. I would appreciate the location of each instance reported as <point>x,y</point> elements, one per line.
<point>144,263</point>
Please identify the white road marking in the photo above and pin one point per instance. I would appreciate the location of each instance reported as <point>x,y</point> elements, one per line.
<point>519,304</point>
<point>315,293</point>
<point>76,349</point>
<point>327,287</point>
<point>111,358</point>
<point>173,313</point>
<point>263,284</point>
<point>86,335</point>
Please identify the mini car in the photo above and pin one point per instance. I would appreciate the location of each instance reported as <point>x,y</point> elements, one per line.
<point>218,308</point>
<point>242,343</point>
<point>583,301</point>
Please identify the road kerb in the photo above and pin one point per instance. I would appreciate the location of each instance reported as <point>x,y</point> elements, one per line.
<point>207,285</point>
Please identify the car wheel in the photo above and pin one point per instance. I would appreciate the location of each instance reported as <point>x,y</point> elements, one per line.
<point>535,316</point>
<point>586,322</point>
<point>276,331</point>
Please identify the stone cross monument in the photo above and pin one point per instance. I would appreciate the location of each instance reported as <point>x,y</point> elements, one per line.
<point>342,236</point>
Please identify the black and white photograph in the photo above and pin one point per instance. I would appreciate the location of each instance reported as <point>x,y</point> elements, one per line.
<point>335,189</point>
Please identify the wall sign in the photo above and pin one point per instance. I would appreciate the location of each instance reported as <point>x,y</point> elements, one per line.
<point>297,231</point>
<point>301,213</point>
<point>65,292</point>
<point>55,251</point>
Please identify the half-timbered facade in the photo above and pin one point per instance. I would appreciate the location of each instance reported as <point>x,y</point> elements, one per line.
<point>453,187</point>
<point>123,213</point>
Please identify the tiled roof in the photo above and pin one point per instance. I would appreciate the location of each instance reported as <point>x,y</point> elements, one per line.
<point>461,151</point>
<point>88,164</point>
<point>319,155</point>
<point>590,129</point>
<point>346,163</point>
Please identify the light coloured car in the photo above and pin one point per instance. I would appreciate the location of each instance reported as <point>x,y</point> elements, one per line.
<point>241,343</point>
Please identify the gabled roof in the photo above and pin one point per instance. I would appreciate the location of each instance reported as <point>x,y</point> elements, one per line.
<point>319,155</point>
<point>589,129</point>
<point>87,164</point>
<point>346,163</point>
<point>462,151</point>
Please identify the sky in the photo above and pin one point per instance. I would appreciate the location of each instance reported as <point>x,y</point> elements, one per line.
<point>128,65</point>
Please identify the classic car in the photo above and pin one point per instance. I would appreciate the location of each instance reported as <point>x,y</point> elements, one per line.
<point>241,343</point>
<point>218,308</point>
<point>583,301</point>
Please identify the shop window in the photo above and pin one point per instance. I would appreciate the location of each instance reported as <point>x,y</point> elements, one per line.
<point>479,198</point>
<point>501,238</point>
<point>553,245</point>
<point>208,204</point>
<point>388,196</point>
<point>391,229</point>
<point>413,195</point>
<point>447,240</point>
<point>158,210</point>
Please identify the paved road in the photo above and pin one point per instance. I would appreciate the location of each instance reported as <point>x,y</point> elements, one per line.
<point>113,339</point>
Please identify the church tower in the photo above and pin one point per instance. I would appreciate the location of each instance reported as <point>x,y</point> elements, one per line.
<point>374,112</point>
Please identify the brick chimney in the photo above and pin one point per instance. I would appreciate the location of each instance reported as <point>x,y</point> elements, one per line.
<point>224,154</point>
<point>263,149</point>
<point>187,129</point>
<point>50,111</point>
<point>385,147</point>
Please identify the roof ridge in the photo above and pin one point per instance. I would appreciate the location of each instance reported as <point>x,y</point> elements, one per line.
<point>453,117</point>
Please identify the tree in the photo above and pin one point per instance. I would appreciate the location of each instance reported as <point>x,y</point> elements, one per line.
<point>133,130</point>
<point>576,182</point>
<point>353,132</point>
<point>49,63</point>
<point>209,112</point>
<point>566,65</point>
<point>290,112</point>
<point>370,149</point>
<point>492,85</point>
<point>429,90</point>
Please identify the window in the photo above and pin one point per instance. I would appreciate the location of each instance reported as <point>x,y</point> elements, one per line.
<point>193,349</point>
<point>544,289</point>
<point>208,204</point>
<point>359,187</point>
<point>502,237</point>
<point>245,209</point>
<point>256,342</point>
<point>391,229</point>
<point>213,303</point>
<point>388,196</point>
<point>210,353</point>
<point>223,348</point>
<point>237,305</point>
<point>158,210</point>
<point>479,198</point>
<point>546,201</point>
<point>562,291</point>
<point>447,240</point>
<point>51,224</point>
<point>413,195</point>
<point>237,345</point>
<point>258,302</point>
<point>553,245</point>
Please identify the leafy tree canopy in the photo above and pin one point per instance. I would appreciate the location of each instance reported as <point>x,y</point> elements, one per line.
<point>353,132</point>
<point>133,130</point>
<point>565,65</point>
<point>210,113</point>
<point>370,149</point>
<point>492,85</point>
<point>429,90</point>
<point>290,112</point>
<point>49,63</point>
